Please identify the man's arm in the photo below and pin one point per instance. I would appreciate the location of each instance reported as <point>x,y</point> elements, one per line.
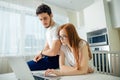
<point>53,50</point>
<point>46,47</point>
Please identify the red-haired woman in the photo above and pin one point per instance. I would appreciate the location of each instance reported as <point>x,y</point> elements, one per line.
<point>75,50</point>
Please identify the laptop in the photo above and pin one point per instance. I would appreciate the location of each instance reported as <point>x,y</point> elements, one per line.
<point>22,71</point>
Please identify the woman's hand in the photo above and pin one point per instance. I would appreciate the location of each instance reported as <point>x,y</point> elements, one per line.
<point>90,70</point>
<point>52,72</point>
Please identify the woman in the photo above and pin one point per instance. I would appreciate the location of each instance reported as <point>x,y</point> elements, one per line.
<point>75,50</point>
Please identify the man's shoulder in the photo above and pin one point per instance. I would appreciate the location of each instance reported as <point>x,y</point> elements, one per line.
<point>56,24</point>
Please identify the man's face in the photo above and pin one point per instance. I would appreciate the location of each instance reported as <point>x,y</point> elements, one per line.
<point>45,19</point>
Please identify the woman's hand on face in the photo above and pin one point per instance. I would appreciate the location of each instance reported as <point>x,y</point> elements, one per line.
<point>52,72</point>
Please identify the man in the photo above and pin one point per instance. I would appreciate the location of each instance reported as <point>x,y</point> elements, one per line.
<point>48,57</point>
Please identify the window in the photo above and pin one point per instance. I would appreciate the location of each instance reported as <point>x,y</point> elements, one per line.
<point>34,34</point>
<point>20,29</point>
<point>9,31</point>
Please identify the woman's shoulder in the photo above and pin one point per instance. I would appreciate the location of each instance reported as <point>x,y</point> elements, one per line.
<point>82,43</point>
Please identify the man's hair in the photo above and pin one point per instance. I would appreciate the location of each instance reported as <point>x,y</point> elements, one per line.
<point>43,8</point>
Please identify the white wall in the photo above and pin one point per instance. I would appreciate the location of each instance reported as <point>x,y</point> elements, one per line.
<point>72,17</point>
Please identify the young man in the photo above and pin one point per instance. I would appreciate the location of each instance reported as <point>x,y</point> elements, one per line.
<point>48,57</point>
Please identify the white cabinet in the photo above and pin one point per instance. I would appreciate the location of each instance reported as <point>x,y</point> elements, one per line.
<point>114,7</point>
<point>94,16</point>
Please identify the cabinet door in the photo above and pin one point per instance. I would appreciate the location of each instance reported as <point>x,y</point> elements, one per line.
<point>94,16</point>
<point>115,13</point>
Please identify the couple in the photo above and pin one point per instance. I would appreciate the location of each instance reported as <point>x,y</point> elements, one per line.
<point>62,43</point>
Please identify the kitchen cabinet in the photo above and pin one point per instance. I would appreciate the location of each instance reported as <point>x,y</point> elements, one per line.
<point>114,7</point>
<point>94,16</point>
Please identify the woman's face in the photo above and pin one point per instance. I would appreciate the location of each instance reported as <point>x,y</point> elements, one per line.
<point>63,37</point>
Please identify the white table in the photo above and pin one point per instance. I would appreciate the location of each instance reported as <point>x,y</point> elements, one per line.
<point>93,76</point>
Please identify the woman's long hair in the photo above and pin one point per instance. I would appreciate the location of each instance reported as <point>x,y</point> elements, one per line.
<point>74,41</point>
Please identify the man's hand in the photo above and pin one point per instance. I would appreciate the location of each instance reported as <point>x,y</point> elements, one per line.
<point>37,57</point>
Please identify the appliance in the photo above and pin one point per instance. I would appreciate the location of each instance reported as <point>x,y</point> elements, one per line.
<point>98,41</point>
<point>100,48</point>
<point>98,37</point>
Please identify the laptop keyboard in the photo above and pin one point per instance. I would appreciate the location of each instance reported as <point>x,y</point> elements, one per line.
<point>39,78</point>
<point>38,74</point>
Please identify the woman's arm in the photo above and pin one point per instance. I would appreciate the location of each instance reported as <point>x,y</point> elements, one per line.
<point>68,70</point>
<point>63,66</point>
